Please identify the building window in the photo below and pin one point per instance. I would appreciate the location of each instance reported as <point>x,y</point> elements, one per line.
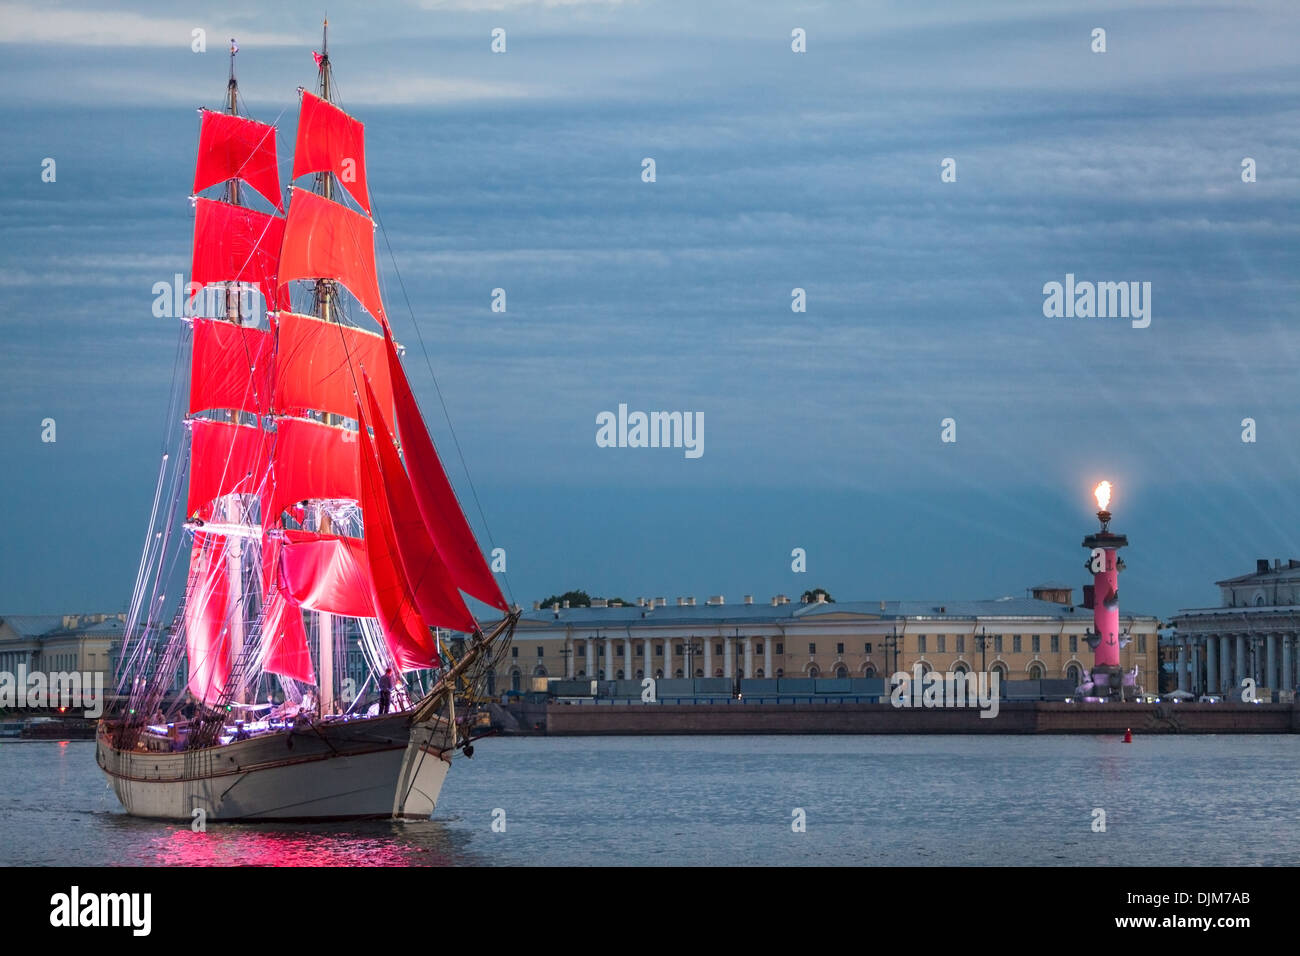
<point>941,643</point>
<point>961,643</point>
<point>539,650</point>
<point>1074,644</point>
<point>1015,644</point>
<point>717,649</point>
<point>758,648</point>
<point>812,648</point>
<point>1036,643</point>
<point>600,649</point>
<point>1056,643</point>
<point>839,648</point>
<point>920,643</point>
<point>1142,643</point>
<point>514,652</point>
<point>659,650</point>
<point>618,651</point>
<point>640,650</point>
<point>868,648</point>
<point>997,643</point>
<point>780,648</point>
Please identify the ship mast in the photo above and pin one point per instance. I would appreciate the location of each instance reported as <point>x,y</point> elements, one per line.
<point>324,306</point>
<point>234,503</point>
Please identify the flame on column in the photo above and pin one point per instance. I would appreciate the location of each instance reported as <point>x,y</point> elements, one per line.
<point>1102,491</point>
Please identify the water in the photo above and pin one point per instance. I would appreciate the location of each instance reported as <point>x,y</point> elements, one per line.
<point>1231,800</point>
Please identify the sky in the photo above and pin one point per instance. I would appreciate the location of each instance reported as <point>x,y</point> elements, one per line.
<point>774,171</point>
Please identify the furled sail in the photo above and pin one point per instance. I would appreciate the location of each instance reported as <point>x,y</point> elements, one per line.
<point>233,147</point>
<point>435,497</point>
<point>237,244</point>
<point>324,240</point>
<point>232,367</point>
<point>207,637</point>
<point>331,140</point>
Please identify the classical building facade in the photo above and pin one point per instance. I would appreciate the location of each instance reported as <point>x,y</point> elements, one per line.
<point>1022,638</point>
<point>1253,633</point>
<point>61,642</point>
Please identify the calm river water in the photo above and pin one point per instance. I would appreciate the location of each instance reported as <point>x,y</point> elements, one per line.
<point>1181,800</point>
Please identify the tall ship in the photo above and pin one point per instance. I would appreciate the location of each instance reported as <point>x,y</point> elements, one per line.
<point>300,482</point>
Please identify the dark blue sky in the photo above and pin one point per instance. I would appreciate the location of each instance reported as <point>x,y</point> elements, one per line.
<point>775,171</point>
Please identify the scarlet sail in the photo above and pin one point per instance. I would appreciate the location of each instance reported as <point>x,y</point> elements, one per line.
<point>287,653</point>
<point>407,635</point>
<point>327,573</point>
<point>207,638</point>
<point>232,367</point>
<point>437,502</point>
<point>436,596</point>
<point>225,459</point>
<point>319,365</point>
<point>237,244</point>
<point>233,147</point>
<point>311,460</point>
<point>323,240</point>
<point>331,140</point>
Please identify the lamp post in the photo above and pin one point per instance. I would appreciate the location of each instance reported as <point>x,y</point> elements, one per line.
<point>982,641</point>
<point>891,645</point>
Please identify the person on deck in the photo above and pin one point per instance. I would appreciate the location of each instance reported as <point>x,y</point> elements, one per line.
<point>385,690</point>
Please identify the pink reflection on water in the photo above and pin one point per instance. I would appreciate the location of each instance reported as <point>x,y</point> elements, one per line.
<point>372,844</point>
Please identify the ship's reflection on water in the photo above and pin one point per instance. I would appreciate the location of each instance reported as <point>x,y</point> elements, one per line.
<point>348,843</point>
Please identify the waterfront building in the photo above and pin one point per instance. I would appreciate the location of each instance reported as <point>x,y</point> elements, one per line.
<point>1033,638</point>
<point>61,642</point>
<point>1253,633</point>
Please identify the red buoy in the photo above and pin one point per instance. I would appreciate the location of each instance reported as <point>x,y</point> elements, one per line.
<point>1128,736</point>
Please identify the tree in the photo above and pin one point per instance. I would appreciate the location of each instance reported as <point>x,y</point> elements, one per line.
<point>810,596</point>
<point>575,599</point>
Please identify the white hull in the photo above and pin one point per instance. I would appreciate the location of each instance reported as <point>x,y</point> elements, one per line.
<point>378,767</point>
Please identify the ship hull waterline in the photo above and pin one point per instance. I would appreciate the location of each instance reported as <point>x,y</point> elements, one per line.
<point>370,768</point>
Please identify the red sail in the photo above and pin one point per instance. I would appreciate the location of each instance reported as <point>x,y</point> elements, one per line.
<point>327,573</point>
<point>323,240</point>
<point>232,147</point>
<point>232,367</point>
<point>319,364</point>
<point>286,639</point>
<point>237,244</point>
<point>445,521</point>
<point>207,636</point>
<point>225,459</point>
<point>331,140</point>
<point>436,596</point>
<point>310,460</point>
<point>408,637</point>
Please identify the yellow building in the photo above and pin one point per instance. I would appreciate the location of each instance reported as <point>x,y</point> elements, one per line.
<point>1040,637</point>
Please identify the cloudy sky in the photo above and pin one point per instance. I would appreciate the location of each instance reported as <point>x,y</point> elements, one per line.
<point>775,171</point>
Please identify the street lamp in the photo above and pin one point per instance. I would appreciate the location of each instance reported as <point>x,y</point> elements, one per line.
<point>982,641</point>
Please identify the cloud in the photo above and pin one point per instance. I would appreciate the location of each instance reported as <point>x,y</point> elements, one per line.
<point>46,25</point>
<point>475,6</point>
